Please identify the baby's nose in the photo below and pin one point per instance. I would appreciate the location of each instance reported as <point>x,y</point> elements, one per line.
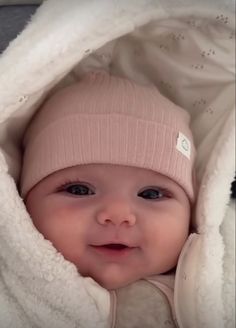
<point>117,214</point>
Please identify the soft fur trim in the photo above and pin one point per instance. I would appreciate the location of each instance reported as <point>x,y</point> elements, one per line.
<point>32,273</point>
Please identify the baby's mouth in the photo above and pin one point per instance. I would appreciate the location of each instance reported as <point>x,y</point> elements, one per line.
<point>113,250</point>
<point>116,247</point>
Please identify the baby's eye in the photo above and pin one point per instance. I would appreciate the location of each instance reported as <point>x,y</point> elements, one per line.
<point>152,193</point>
<point>78,189</point>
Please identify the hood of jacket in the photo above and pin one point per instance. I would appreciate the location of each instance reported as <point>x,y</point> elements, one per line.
<point>184,47</point>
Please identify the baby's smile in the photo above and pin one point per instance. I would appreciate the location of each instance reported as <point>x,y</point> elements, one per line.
<point>114,251</point>
<point>116,223</point>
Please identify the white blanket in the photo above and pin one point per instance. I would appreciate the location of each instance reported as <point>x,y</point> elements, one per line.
<point>187,49</point>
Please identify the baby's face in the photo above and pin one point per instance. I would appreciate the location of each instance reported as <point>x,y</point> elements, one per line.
<point>117,224</point>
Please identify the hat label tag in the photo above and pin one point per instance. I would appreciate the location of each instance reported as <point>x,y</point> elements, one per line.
<point>183,145</point>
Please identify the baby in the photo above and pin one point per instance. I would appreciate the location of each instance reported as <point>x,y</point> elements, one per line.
<point>108,178</point>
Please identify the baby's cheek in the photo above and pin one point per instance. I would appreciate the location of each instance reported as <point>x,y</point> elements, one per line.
<point>35,211</point>
<point>44,217</point>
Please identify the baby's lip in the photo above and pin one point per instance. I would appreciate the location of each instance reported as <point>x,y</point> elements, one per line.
<point>114,245</point>
<point>114,250</point>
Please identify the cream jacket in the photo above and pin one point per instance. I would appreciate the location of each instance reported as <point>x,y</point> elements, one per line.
<point>184,47</point>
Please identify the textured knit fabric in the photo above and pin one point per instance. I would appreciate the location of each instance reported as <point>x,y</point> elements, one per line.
<point>106,119</point>
<point>186,49</point>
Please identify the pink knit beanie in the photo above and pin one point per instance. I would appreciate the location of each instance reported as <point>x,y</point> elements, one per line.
<point>108,119</point>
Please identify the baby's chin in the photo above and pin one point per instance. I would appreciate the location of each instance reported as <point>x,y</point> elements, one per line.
<point>113,283</point>
<point>113,278</point>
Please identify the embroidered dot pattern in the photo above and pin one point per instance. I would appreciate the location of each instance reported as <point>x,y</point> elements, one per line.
<point>197,66</point>
<point>168,42</point>
<point>208,53</point>
<point>182,44</point>
<point>22,99</point>
<point>209,111</point>
<point>201,56</point>
<point>223,19</point>
<point>164,47</point>
<point>177,37</point>
<point>199,103</point>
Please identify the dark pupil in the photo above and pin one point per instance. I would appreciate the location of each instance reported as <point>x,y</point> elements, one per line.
<point>78,190</point>
<point>150,194</point>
